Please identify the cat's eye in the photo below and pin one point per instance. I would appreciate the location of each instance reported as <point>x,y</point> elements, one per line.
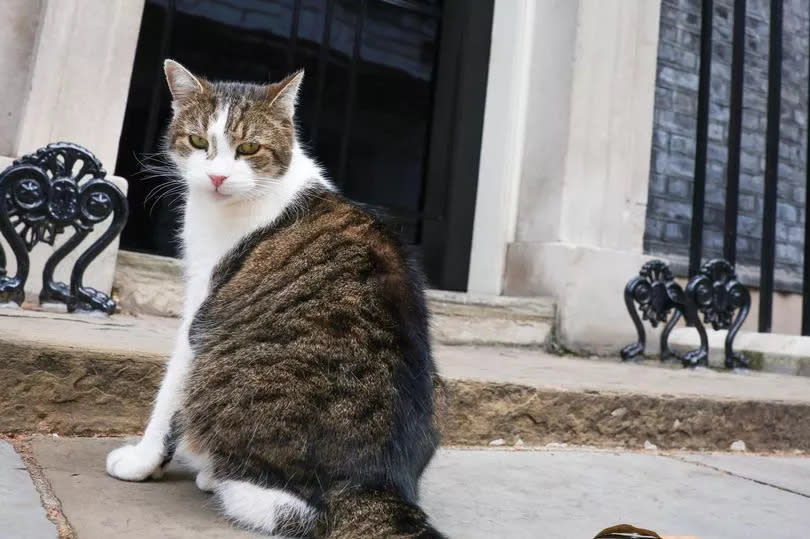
<point>247,148</point>
<point>198,142</point>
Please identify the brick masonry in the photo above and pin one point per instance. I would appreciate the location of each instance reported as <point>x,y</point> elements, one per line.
<point>672,162</point>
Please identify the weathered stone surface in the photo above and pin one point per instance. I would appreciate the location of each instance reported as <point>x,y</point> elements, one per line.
<point>149,284</point>
<point>76,392</point>
<point>153,285</point>
<point>790,473</point>
<point>458,319</point>
<point>170,508</point>
<point>462,330</point>
<point>21,512</point>
<point>79,374</point>
<point>476,494</point>
<point>94,375</point>
<point>768,352</point>
<point>479,412</point>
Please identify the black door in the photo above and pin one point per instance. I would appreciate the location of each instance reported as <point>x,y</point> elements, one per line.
<point>392,105</point>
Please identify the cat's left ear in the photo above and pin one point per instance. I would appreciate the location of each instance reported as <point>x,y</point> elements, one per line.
<point>284,94</point>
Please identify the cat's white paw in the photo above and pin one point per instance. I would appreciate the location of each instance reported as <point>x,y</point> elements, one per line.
<point>135,463</point>
<point>205,480</point>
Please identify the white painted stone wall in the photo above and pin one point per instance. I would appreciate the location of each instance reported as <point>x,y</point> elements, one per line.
<point>21,20</point>
<point>66,66</point>
<point>582,170</point>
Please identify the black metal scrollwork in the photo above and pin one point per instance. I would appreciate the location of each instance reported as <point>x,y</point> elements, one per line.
<point>716,292</point>
<point>657,295</point>
<point>41,194</point>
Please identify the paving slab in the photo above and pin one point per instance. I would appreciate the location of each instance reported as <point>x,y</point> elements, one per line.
<point>555,494</point>
<point>98,506</point>
<point>21,513</point>
<point>789,472</point>
<point>468,493</point>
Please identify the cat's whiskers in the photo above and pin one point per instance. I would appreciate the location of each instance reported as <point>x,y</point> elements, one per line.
<point>162,189</point>
<point>177,191</point>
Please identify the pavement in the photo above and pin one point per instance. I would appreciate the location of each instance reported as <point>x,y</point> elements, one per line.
<point>21,512</point>
<point>469,493</point>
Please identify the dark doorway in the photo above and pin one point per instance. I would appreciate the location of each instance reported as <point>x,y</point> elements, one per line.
<point>392,105</point>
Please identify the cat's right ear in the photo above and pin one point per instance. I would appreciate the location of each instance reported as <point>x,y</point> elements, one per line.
<point>182,84</point>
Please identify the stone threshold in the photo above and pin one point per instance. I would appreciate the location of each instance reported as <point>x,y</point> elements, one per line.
<point>152,285</point>
<point>82,375</point>
<point>767,352</point>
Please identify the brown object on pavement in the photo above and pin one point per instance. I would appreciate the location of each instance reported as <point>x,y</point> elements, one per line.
<point>626,531</point>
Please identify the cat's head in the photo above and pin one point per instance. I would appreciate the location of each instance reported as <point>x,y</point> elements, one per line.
<point>230,140</point>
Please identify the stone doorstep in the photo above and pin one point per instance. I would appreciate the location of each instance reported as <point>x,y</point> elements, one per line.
<point>81,375</point>
<point>768,352</point>
<point>152,285</point>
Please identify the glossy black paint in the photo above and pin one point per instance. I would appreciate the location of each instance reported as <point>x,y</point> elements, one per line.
<point>378,74</point>
<point>767,258</point>
<point>41,195</point>
<point>656,294</point>
<point>714,292</point>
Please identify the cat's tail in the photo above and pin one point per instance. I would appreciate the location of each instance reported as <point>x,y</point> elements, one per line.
<point>356,513</point>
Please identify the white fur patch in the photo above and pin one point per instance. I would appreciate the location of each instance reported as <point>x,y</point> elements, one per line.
<point>135,462</point>
<point>213,227</point>
<point>216,131</point>
<point>263,508</point>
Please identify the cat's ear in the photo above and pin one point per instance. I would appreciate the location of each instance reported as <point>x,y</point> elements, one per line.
<point>182,84</point>
<point>284,95</point>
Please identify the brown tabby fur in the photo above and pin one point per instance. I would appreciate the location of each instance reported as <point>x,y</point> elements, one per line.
<point>251,118</point>
<point>313,372</point>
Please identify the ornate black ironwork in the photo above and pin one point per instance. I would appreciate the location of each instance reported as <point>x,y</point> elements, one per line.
<point>716,292</point>
<point>41,194</point>
<point>657,295</point>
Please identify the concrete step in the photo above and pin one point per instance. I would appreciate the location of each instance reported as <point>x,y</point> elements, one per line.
<point>83,375</point>
<point>767,352</point>
<point>467,493</point>
<point>460,318</point>
<point>152,285</point>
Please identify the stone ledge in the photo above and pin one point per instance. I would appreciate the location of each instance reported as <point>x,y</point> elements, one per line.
<point>768,352</point>
<point>480,412</point>
<point>152,285</point>
<point>77,375</point>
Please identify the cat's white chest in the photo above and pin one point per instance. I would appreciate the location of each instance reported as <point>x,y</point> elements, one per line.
<point>207,239</point>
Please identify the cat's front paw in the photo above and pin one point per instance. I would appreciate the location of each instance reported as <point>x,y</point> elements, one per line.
<point>135,463</point>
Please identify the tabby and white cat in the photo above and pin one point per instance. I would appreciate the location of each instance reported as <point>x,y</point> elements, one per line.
<point>301,384</point>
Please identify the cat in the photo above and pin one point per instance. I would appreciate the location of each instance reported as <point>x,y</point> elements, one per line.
<point>301,383</point>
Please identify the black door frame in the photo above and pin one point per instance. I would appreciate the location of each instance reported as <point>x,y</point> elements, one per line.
<point>453,146</point>
<point>451,177</point>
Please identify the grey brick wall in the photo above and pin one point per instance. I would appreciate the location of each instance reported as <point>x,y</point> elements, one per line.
<point>669,210</point>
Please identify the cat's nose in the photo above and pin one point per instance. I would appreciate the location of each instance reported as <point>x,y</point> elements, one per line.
<point>217,180</point>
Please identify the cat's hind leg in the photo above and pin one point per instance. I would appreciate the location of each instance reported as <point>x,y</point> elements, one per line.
<point>205,480</point>
<point>267,510</point>
<point>199,462</point>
